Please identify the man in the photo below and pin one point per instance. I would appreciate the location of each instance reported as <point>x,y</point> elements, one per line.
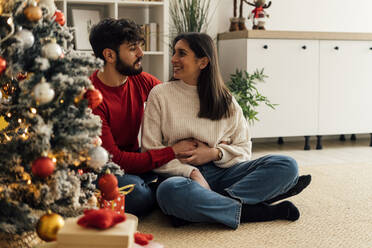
<point>125,89</point>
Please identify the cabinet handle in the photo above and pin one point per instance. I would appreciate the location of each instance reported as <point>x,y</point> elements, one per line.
<point>304,47</point>
<point>370,48</point>
<point>265,47</point>
<point>336,47</point>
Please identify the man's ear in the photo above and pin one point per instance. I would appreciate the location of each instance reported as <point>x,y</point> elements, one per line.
<point>109,55</point>
<point>203,63</point>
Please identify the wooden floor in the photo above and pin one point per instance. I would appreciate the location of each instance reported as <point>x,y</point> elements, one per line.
<point>334,151</point>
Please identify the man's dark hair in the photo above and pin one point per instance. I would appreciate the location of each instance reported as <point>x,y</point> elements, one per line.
<point>111,33</point>
<point>215,98</point>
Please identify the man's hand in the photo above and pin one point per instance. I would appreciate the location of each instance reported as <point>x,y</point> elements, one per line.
<point>184,146</point>
<point>201,155</point>
<point>198,177</point>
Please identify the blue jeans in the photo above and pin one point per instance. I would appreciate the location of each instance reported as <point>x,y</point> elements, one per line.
<point>141,200</point>
<point>248,182</point>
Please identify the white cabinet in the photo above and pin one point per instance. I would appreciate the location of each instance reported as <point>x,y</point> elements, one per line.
<point>345,101</point>
<point>142,12</point>
<point>285,62</point>
<point>322,86</point>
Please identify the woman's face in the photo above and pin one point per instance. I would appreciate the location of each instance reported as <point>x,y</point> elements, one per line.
<point>186,66</point>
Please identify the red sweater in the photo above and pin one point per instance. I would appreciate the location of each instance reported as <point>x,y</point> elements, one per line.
<point>121,113</point>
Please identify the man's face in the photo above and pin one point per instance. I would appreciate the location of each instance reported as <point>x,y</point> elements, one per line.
<point>129,59</point>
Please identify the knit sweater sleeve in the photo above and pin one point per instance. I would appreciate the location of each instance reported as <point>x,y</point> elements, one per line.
<point>152,137</point>
<point>132,162</point>
<point>240,147</point>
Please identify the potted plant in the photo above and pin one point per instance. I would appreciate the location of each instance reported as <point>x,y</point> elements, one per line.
<point>243,87</point>
<point>189,15</point>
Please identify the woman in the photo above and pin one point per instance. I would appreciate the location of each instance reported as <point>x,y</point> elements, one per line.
<point>217,181</point>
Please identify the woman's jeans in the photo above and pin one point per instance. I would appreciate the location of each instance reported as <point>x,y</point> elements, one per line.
<point>248,182</point>
<point>141,200</point>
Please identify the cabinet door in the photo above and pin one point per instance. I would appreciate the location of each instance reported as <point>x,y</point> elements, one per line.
<point>345,87</point>
<point>293,83</point>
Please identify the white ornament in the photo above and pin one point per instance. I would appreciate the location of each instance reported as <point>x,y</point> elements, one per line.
<point>49,4</point>
<point>51,51</point>
<point>43,93</point>
<point>98,157</point>
<point>26,37</point>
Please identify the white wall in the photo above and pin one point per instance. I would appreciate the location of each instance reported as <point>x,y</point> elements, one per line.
<point>302,15</point>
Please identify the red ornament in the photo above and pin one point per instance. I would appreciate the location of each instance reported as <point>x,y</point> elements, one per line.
<point>2,65</point>
<point>101,218</point>
<point>60,17</point>
<point>108,184</point>
<point>111,195</point>
<point>94,98</point>
<point>43,167</point>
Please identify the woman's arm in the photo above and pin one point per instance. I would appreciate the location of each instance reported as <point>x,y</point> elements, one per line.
<point>240,145</point>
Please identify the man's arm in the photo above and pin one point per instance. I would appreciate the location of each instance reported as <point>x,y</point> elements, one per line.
<point>134,162</point>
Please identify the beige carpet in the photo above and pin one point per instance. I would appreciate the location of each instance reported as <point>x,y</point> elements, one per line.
<point>336,211</point>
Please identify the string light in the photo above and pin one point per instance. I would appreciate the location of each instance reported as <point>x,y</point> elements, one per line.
<point>61,101</point>
<point>7,137</point>
<point>33,110</point>
<point>9,114</point>
<point>54,160</point>
<point>19,120</point>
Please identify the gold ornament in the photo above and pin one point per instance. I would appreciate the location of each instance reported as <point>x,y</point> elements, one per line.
<point>33,13</point>
<point>6,5</point>
<point>48,226</point>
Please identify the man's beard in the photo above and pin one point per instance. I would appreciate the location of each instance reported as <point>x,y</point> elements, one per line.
<point>128,70</point>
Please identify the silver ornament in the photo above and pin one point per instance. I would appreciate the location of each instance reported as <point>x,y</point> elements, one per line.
<point>50,6</point>
<point>43,93</point>
<point>98,157</point>
<point>51,51</point>
<point>26,37</point>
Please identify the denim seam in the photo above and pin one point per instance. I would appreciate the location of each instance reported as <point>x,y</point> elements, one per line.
<point>238,215</point>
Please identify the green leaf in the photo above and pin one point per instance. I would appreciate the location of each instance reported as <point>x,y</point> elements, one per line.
<point>243,87</point>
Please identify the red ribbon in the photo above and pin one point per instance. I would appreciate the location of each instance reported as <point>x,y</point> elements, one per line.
<point>256,11</point>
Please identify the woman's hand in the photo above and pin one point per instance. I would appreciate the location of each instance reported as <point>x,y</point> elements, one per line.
<point>202,154</point>
<point>198,177</point>
<point>184,146</point>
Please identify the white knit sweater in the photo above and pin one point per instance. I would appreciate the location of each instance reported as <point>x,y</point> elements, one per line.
<point>171,114</point>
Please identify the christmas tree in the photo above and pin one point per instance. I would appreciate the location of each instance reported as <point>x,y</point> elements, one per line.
<point>50,151</point>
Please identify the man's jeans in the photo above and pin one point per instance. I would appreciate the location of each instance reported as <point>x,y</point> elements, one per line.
<point>248,182</point>
<point>141,200</point>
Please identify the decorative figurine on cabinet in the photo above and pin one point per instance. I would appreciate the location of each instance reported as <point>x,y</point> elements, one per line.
<point>234,21</point>
<point>258,13</point>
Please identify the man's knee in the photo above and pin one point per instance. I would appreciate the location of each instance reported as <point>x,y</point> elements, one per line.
<point>141,200</point>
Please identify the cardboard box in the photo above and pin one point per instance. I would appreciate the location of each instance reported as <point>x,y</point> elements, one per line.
<point>120,236</point>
